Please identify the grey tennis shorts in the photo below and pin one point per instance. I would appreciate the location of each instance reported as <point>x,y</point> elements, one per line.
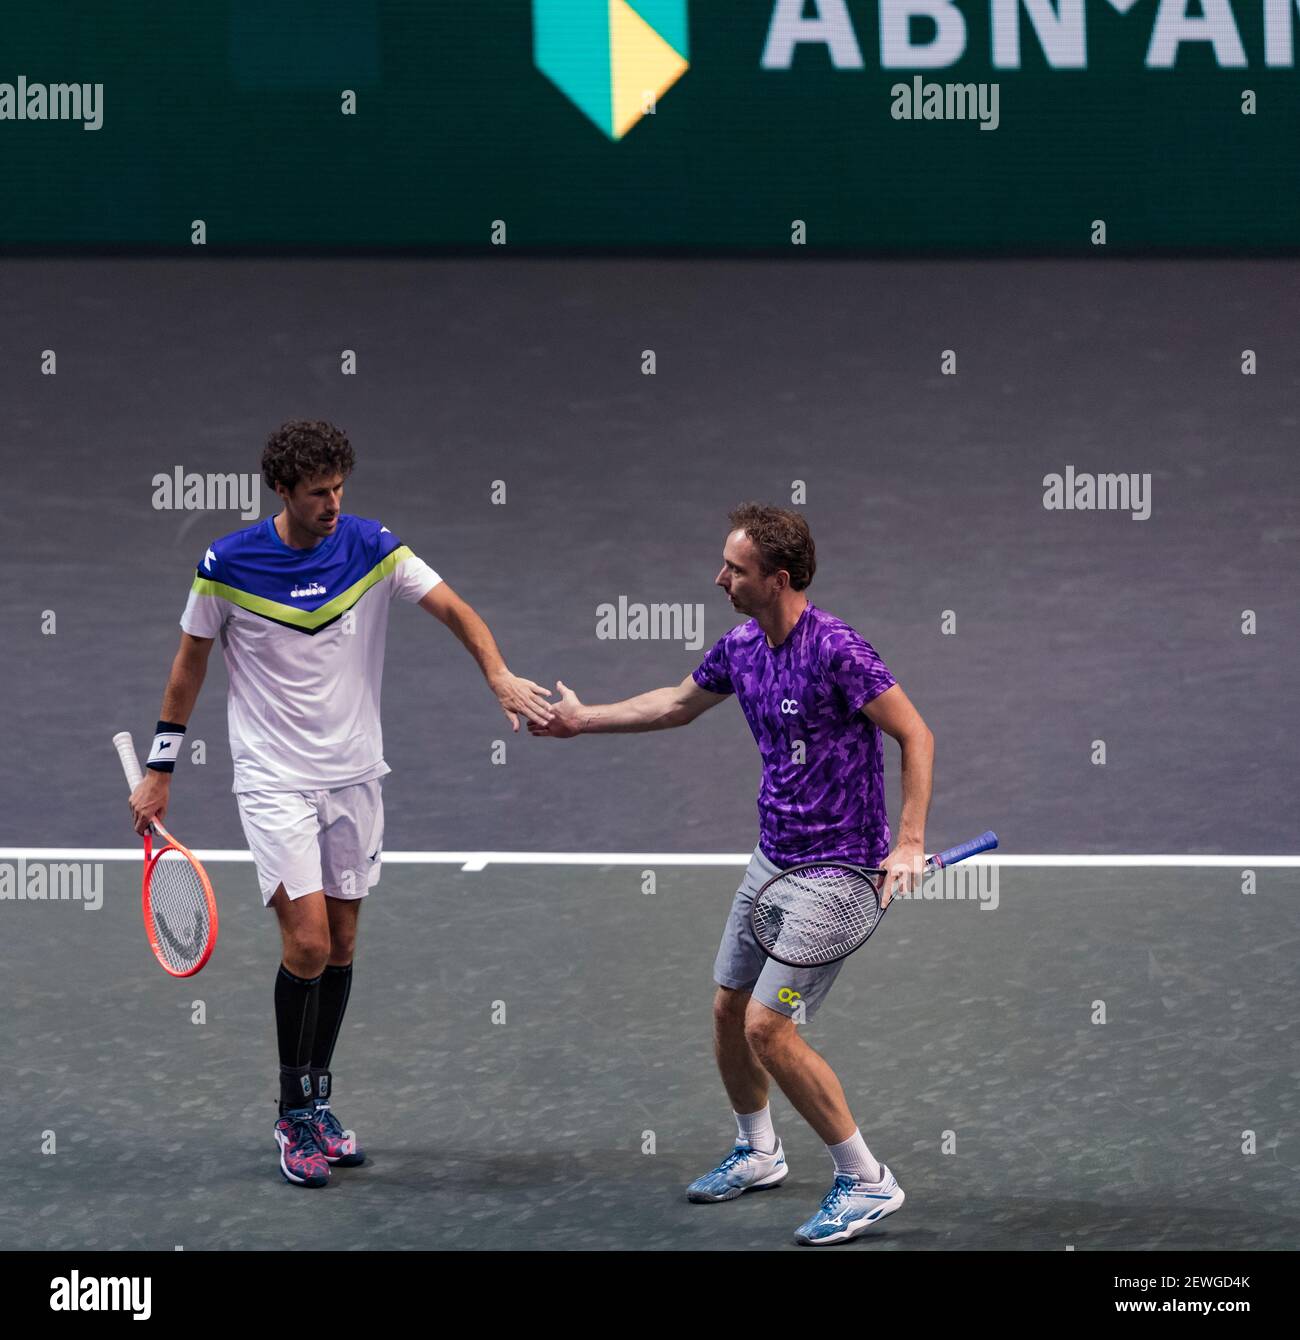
<point>743,966</point>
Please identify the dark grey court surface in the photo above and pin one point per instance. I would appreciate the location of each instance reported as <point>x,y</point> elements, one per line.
<point>924,492</point>
<point>956,1024</point>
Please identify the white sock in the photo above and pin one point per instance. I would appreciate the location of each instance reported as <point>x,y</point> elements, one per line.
<point>854,1158</point>
<point>756,1130</point>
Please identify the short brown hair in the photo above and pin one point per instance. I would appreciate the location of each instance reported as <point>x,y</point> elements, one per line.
<point>782,539</point>
<point>303,449</point>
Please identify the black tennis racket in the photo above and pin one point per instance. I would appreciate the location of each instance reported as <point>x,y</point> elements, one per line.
<point>819,913</point>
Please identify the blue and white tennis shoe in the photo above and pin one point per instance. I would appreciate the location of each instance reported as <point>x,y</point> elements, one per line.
<point>850,1208</point>
<point>744,1169</point>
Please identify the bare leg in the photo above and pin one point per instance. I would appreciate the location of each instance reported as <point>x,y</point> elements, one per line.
<point>742,1076</point>
<point>343,914</point>
<point>304,932</point>
<point>305,942</point>
<point>804,1076</point>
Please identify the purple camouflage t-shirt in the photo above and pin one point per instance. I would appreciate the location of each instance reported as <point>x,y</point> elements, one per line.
<point>812,688</point>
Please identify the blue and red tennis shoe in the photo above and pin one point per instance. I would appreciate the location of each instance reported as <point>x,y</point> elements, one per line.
<point>337,1145</point>
<point>302,1161</point>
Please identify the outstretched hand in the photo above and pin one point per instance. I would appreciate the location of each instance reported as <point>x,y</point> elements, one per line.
<point>565,720</point>
<point>521,697</point>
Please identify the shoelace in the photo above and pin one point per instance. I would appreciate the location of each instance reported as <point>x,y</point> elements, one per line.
<point>304,1136</point>
<point>325,1116</point>
<point>737,1155</point>
<point>837,1193</point>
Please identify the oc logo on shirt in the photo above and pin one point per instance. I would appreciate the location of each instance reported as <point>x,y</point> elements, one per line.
<point>789,707</point>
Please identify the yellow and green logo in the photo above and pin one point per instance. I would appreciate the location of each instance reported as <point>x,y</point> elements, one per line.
<point>613,59</point>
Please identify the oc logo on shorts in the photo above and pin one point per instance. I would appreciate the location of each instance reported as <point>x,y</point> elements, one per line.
<point>789,707</point>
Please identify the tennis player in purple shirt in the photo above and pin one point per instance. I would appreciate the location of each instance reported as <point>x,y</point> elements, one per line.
<point>816,696</point>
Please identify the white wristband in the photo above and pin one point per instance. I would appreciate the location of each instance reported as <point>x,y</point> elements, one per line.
<point>166,750</point>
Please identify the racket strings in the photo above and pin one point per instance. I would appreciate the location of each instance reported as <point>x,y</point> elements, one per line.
<point>816,915</point>
<point>178,905</point>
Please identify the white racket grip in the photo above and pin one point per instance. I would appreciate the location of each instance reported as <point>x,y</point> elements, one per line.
<point>125,747</point>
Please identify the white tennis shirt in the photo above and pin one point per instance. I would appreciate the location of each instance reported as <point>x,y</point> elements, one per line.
<point>303,634</point>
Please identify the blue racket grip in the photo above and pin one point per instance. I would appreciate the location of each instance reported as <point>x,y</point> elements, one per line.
<point>973,848</point>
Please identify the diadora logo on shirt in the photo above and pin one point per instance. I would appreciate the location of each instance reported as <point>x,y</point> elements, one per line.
<point>789,707</point>
<point>613,59</point>
<point>312,589</point>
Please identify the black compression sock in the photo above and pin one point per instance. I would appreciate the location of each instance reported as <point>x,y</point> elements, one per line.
<point>335,987</point>
<point>296,1007</point>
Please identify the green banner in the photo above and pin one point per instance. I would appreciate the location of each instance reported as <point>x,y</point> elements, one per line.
<point>890,125</point>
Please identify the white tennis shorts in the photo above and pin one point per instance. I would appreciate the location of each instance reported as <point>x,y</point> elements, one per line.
<point>309,840</point>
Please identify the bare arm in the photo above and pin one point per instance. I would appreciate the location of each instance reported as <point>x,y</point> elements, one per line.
<point>190,666</point>
<point>893,712</point>
<point>516,695</point>
<point>189,669</point>
<point>659,709</point>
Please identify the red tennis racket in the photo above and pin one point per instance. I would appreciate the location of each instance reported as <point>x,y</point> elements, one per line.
<point>180,913</point>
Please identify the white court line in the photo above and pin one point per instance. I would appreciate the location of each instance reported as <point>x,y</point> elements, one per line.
<point>480,860</point>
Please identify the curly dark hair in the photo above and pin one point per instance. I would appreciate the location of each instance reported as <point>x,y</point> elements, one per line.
<point>782,539</point>
<point>303,449</point>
